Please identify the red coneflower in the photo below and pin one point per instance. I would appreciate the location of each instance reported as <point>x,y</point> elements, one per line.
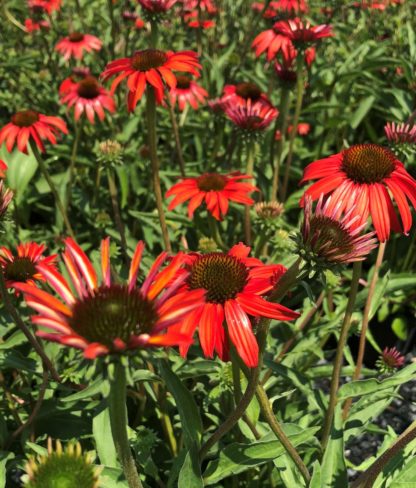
<point>78,74</point>
<point>192,19</point>
<point>302,33</point>
<point>273,8</point>
<point>215,189</point>
<point>302,128</point>
<point>76,43</point>
<point>157,6</point>
<point>33,25</point>
<point>251,117</point>
<point>90,97</point>
<point>272,41</point>
<point>241,92</point>
<point>390,360</point>
<point>235,285</point>
<point>3,169</point>
<point>187,91</point>
<point>47,5</point>
<point>29,124</point>
<point>362,176</point>
<point>6,196</point>
<point>400,133</point>
<point>329,238</point>
<point>150,66</point>
<point>21,267</point>
<point>111,317</point>
<point>207,5</point>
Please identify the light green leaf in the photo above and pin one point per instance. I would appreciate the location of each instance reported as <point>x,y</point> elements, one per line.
<point>362,110</point>
<point>190,474</point>
<point>334,471</point>
<point>101,430</point>
<point>21,169</point>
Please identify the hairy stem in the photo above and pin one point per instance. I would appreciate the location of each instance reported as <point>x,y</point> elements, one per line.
<point>47,176</point>
<point>251,154</point>
<point>151,127</point>
<point>300,88</point>
<point>336,372</point>
<point>364,325</point>
<point>8,305</point>
<point>117,214</point>
<point>178,144</point>
<point>78,130</point>
<point>118,421</point>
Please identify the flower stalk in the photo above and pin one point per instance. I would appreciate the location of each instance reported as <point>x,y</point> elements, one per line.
<point>118,421</point>
<point>78,131</point>
<point>178,144</point>
<point>251,155</point>
<point>300,88</point>
<point>47,176</point>
<point>116,210</point>
<point>364,325</point>
<point>336,372</point>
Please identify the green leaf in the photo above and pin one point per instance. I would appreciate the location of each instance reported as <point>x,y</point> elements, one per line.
<point>21,169</point>
<point>399,327</point>
<point>112,478</point>
<point>4,457</point>
<point>406,477</point>
<point>237,458</point>
<point>101,430</point>
<point>187,408</point>
<point>365,387</point>
<point>93,389</point>
<point>316,480</point>
<point>334,471</point>
<point>190,474</point>
<point>362,110</point>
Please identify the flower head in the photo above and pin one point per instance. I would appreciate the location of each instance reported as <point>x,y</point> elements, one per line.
<point>271,40</point>
<point>67,468</point>
<point>3,169</point>
<point>400,133</point>
<point>204,5</point>
<point>6,196</point>
<point>362,177</point>
<point>268,210</point>
<point>251,117</point>
<point>31,125</point>
<point>215,189</point>
<point>329,238</point>
<point>78,74</point>
<point>76,43</point>
<point>235,286</point>
<point>390,360</point>
<point>187,92</point>
<point>157,6</point>
<point>302,33</point>
<point>32,25</point>
<point>240,93</point>
<point>151,66</point>
<point>48,6</point>
<point>88,97</point>
<point>21,266</point>
<point>107,317</point>
<point>110,152</point>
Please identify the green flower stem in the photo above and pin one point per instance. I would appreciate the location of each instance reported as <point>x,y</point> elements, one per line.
<point>336,372</point>
<point>214,231</point>
<point>251,155</point>
<point>366,320</point>
<point>151,127</point>
<point>78,130</point>
<point>267,411</point>
<point>253,375</point>
<point>368,478</point>
<point>264,237</point>
<point>219,134</point>
<point>281,124</point>
<point>118,421</point>
<point>154,33</point>
<point>300,88</point>
<point>46,175</point>
<point>113,27</point>
<point>117,214</point>
<point>178,144</point>
<point>8,305</point>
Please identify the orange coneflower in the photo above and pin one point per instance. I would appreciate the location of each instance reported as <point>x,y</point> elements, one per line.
<point>89,97</point>
<point>302,33</point>
<point>151,66</point>
<point>76,43</point>
<point>29,124</point>
<point>107,317</point>
<point>20,267</point>
<point>187,92</point>
<point>215,189</point>
<point>362,177</point>
<point>235,286</point>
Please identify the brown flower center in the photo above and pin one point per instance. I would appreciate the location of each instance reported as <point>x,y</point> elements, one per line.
<point>20,269</point>
<point>148,59</point>
<point>248,91</point>
<point>221,275</point>
<point>76,37</point>
<point>368,163</point>
<point>183,82</point>
<point>211,182</point>
<point>113,313</point>
<point>88,88</point>
<point>25,118</point>
<point>327,235</point>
